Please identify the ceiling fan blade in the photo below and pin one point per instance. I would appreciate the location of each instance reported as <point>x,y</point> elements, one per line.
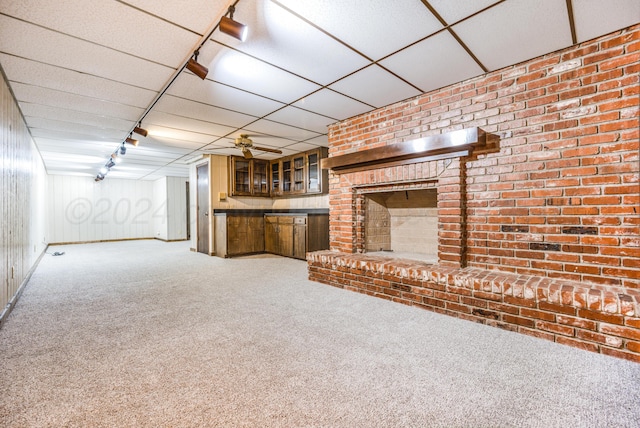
<point>247,153</point>
<point>265,149</point>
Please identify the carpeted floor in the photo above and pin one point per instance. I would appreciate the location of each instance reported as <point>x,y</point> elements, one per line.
<point>146,333</point>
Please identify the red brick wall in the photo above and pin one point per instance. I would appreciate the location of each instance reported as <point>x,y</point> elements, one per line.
<point>560,196</point>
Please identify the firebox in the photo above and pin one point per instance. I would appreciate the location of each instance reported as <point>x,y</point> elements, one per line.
<point>402,224</point>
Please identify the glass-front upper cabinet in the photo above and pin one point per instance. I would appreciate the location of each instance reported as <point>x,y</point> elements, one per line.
<point>313,172</point>
<point>248,177</point>
<point>240,173</point>
<point>286,176</point>
<point>299,174</point>
<point>276,188</point>
<point>260,177</point>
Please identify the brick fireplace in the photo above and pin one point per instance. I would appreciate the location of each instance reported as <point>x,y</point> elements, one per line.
<point>532,172</point>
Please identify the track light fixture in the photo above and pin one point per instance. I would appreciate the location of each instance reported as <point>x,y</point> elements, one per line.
<point>196,68</point>
<point>233,28</point>
<point>131,141</point>
<point>123,150</point>
<point>140,131</point>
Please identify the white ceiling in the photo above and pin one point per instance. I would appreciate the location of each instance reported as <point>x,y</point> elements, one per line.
<point>85,72</point>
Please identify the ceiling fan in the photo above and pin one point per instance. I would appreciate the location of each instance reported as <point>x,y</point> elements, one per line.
<point>244,143</point>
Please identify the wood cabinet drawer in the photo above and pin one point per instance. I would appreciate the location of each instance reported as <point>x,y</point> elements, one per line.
<point>300,220</point>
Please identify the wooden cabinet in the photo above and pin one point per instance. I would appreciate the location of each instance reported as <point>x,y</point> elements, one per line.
<point>299,174</point>
<point>278,235</point>
<point>238,234</point>
<point>295,235</point>
<point>248,177</point>
<point>300,237</point>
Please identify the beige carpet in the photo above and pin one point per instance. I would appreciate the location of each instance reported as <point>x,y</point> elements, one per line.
<point>146,333</point>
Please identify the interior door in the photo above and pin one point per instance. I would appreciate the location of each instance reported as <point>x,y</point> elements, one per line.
<point>203,208</point>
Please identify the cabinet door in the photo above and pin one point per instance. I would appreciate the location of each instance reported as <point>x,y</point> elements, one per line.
<point>286,176</point>
<point>271,234</point>
<point>313,173</point>
<point>236,235</point>
<point>276,186</point>
<point>260,174</point>
<point>256,233</point>
<point>285,236</point>
<point>299,169</point>
<point>300,238</point>
<point>240,176</point>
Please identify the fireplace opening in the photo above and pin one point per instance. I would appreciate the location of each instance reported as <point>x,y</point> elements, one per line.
<point>402,224</point>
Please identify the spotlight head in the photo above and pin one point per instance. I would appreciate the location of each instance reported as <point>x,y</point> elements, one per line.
<point>103,170</point>
<point>131,141</point>
<point>110,164</point>
<point>196,68</point>
<point>140,131</point>
<point>99,177</point>
<point>123,150</point>
<point>233,28</point>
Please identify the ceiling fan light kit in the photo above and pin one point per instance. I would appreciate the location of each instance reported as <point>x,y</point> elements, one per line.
<point>244,143</point>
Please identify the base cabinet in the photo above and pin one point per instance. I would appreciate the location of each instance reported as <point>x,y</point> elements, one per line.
<point>278,235</point>
<point>285,234</point>
<point>295,235</point>
<point>239,234</point>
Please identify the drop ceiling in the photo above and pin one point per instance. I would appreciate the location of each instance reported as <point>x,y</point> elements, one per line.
<point>86,73</point>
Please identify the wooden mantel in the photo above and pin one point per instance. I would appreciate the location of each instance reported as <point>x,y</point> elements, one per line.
<point>452,144</point>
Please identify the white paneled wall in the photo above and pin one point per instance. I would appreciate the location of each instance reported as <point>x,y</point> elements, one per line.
<point>22,202</point>
<point>83,210</point>
<point>176,208</point>
<point>159,220</point>
<point>170,208</point>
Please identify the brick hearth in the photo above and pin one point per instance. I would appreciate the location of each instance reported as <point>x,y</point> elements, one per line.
<point>592,317</point>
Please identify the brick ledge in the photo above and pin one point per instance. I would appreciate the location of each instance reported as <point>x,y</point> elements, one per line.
<point>594,317</point>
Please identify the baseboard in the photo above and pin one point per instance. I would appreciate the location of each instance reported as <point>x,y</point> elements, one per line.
<point>170,240</point>
<point>14,300</point>
<point>100,240</point>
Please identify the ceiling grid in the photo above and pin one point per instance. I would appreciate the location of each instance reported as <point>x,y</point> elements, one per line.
<point>304,65</point>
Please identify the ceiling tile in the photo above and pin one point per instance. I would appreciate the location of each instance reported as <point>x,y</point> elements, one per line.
<point>215,94</point>
<point>73,116</point>
<point>196,15</point>
<point>454,11</point>
<point>80,130</point>
<point>280,38</point>
<point>302,119</point>
<point>594,18</point>
<point>285,131</point>
<point>181,107</point>
<point>186,124</point>
<point>109,24</point>
<point>331,104</point>
<point>49,97</point>
<point>301,147</point>
<point>71,53</point>
<point>433,63</point>
<point>374,28</point>
<point>322,141</point>
<point>515,31</point>
<point>375,86</point>
<point>236,69</point>
<point>24,71</point>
